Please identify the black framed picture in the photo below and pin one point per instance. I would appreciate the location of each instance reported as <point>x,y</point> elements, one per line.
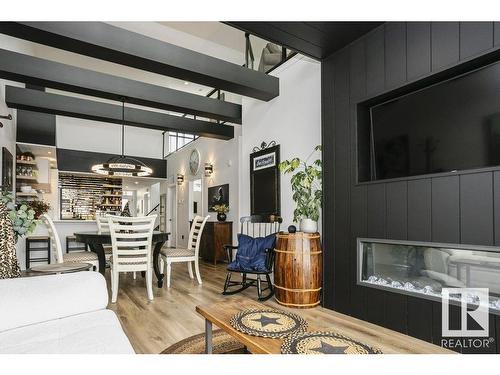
<point>218,195</point>
<point>265,193</point>
<point>7,169</point>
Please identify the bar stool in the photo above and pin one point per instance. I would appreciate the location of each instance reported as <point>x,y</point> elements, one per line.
<point>72,239</point>
<point>29,249</point>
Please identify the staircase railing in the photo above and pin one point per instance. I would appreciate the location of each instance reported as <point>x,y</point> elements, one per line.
<point>249,63</point>
<point>249,58</point>
<point>154,210</point>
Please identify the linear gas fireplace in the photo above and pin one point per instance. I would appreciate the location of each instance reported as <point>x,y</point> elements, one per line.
<point>423,269</point>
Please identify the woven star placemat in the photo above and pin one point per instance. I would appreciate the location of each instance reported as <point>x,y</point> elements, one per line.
<point>320,342</point>
<point>268,323</point>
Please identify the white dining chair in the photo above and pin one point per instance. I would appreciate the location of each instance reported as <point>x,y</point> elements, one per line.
<point>102,228</point>
<point>73,257</point>
<point>131,239</point>
<point>102,224</point>
<point>187,255</point>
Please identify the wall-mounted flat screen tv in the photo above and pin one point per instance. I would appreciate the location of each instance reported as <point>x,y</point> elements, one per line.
<point>449,126</point>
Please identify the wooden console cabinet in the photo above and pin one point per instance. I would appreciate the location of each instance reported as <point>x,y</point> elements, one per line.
<point>215,236</point>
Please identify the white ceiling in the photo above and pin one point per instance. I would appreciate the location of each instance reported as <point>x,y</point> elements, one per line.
<point>215,32</point>
<point>210,38</point>
<point>222,35</point>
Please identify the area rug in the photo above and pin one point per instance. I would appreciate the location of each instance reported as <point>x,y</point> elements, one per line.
<point>222,344</point>
<point>269,323</point>
<point>324,343</point>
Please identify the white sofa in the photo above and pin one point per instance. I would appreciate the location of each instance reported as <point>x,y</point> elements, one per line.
<point>59,314</point>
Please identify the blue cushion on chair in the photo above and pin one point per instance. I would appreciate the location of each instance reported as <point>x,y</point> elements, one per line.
<point>251,254</point>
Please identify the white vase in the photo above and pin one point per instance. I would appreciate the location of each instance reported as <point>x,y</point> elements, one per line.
<point>308,226</point>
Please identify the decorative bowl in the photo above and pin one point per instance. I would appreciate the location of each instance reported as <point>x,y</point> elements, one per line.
<point>26,189</point>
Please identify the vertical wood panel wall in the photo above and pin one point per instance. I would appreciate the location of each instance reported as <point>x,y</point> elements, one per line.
<point>461,208</point>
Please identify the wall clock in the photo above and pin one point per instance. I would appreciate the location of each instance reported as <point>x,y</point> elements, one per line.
<point>194,162</point>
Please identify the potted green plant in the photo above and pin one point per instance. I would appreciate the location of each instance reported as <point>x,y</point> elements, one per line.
<point>23,216</point>
<point>306,189</point>
<point>40,207</point>
<point>221,210</point>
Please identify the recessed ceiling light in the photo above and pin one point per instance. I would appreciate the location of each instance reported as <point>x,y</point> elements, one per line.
<point>136,182</point>
<point>48,152</point>
<point>186,82</point>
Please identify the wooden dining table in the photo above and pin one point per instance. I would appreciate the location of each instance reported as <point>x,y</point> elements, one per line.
<point>96,240</point>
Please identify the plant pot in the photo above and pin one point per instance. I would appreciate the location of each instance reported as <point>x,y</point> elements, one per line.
<point>221,216</point>
<point>308,226</point>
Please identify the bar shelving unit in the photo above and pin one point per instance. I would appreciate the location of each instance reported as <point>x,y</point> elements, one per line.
<point>26,175</point>
<point>85,196</point>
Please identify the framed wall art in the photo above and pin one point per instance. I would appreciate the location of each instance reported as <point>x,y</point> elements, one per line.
<point>218,195</point>
<point>265,181</point>
<point>7,181</point>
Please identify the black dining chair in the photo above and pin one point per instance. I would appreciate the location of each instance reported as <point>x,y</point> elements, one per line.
<point>254,226</point>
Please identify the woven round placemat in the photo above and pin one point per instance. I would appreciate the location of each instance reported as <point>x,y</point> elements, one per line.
<point>320,342</point>
<point>222,343</point>
<point>268,323</point>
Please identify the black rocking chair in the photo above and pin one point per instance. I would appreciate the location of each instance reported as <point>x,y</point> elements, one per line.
<point>254,226</point>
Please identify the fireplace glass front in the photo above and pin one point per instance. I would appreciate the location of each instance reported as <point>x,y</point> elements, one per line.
<point>423,269</point>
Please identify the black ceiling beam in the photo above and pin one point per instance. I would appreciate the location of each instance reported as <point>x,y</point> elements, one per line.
<point>39,101</point>
<point>315,39</point>
<point>107,42</point>
<point>82,161</point>
<point>35,71</point>
<point>267,31</point>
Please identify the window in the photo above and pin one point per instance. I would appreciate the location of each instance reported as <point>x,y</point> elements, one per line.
<point>178,140</point>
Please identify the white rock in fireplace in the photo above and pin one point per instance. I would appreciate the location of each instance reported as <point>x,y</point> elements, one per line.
<point>424,269</point>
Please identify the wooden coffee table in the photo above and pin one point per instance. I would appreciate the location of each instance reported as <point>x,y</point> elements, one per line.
<point>388,341</point>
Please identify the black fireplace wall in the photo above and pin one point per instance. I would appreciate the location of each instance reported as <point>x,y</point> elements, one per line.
<point>462,207</point>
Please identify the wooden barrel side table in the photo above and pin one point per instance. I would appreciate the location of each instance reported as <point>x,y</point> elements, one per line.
<point>298,269</point>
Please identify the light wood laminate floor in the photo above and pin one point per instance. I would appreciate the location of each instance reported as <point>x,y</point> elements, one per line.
<point>171,317</point>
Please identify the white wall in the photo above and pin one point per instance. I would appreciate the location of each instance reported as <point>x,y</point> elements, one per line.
<point>154,194</point>
<point>43,165</point>
<point>142,194</point>
<point>53,197</point>
<point>293,120</point>
<point>46,175</point>
<point>194,196</point>
<point>224,155</point>
<point>86,135</point>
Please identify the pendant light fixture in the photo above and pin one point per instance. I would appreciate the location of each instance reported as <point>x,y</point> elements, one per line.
<point>122,166</point>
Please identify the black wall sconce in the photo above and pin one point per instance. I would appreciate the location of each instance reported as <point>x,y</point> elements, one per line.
<point>180,179</point>
<point>209,169</point>
<point>8,117</point>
